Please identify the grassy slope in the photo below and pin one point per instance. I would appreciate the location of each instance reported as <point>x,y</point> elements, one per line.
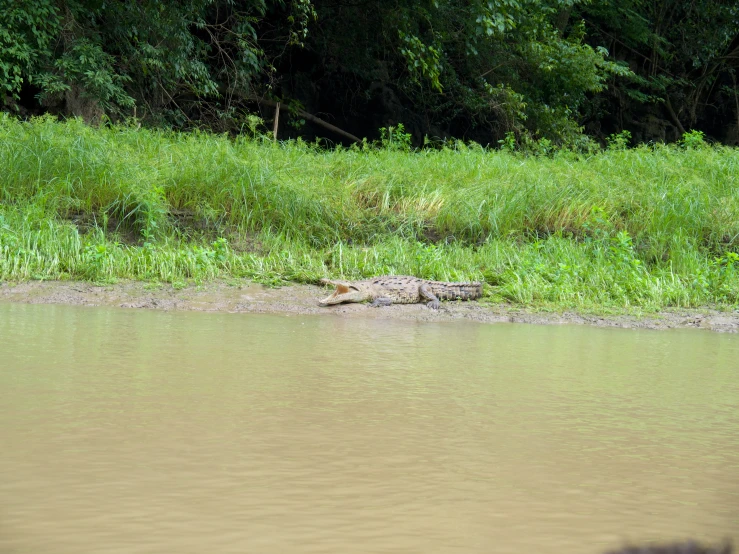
<point>645,228</point>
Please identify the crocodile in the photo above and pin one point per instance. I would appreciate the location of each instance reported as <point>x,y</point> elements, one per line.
<point>399,289</point>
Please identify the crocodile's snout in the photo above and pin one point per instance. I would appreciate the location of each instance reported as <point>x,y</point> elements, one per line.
<point>343,293</point>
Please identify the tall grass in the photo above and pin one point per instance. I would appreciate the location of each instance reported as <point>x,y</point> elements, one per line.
<point>649,227</point>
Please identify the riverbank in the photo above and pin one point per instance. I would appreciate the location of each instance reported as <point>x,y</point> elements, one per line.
<point>241,296</point>
<point>648,229</point>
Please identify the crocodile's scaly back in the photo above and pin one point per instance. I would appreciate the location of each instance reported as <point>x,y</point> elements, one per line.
<point>456,291</point>
<point>400,289</point>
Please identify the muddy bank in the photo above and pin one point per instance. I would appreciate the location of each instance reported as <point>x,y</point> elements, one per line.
<point>247,297</point>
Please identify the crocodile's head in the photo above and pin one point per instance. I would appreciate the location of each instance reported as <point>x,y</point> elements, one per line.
<point>345,292</point>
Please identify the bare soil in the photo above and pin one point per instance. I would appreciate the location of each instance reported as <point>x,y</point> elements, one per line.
<point>247,297</point>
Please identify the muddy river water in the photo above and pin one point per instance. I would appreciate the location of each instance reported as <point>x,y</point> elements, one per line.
<point>135,431</point>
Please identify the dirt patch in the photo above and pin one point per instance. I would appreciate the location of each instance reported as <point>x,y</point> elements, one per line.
<point>114,226</point>
<point>247,297</point>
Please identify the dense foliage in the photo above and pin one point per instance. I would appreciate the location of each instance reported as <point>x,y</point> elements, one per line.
<point>684,56</point>
<point>479,69</point>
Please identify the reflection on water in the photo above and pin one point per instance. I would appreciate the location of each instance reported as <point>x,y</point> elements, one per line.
<point>148,432</point>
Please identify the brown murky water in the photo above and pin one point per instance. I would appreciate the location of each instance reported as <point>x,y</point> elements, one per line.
<point>153,432</point>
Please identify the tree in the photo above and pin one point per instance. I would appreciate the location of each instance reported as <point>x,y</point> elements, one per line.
<point>173,61</point>
<point>684,55</point>
<point>475,69</point>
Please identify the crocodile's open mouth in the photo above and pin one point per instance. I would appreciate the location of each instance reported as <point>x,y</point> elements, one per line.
<point>341,294</point>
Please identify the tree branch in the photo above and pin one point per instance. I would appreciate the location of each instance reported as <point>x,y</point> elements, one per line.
<point>309,117</point>
<point>673,115</point>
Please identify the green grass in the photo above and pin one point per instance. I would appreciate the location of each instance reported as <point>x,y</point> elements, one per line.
<point>646,228</point>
